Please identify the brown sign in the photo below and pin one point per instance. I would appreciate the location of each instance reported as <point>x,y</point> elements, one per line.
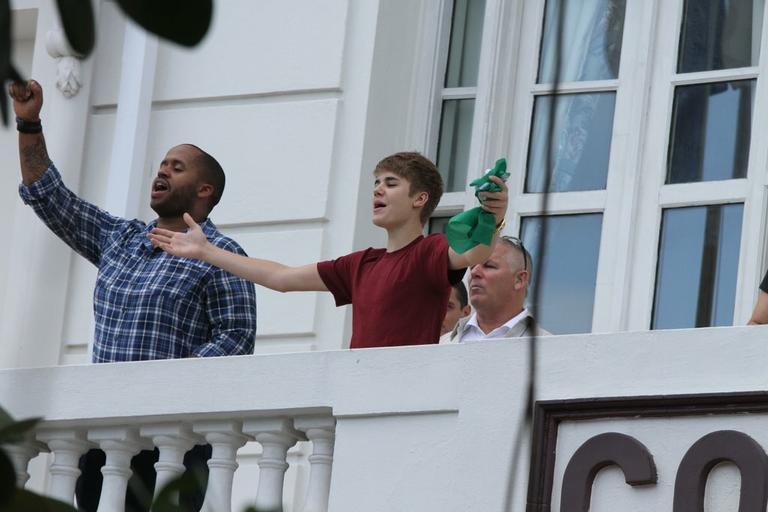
<point>634,459</point>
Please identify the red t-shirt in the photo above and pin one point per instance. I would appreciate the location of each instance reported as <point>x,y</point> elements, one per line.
<point>398,298</point>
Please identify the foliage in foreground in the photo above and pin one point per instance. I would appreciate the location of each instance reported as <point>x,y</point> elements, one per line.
<point>13,499</point>
<point>184,22</point>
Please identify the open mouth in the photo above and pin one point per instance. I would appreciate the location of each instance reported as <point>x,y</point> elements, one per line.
<point>159,187</point>
<point>378,205</point>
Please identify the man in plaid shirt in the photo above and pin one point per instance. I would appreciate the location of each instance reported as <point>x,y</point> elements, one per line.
<point>147,303</point>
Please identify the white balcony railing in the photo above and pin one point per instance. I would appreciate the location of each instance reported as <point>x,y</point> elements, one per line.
<point>173,439</point>
<point>428,428</point>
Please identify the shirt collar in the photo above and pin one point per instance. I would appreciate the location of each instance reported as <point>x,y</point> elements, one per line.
<point>207,226</point>
<point>505,327</point>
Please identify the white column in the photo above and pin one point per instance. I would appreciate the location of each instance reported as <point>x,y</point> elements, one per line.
<point>67,447</point>
<point>134,108</point>
<point>120,445</point>
<point>21,454</point>
<point>173,441</point>
<point>225,438</point>
<point>276,436</point>
<point>321,430</point>
<point>40,262</point>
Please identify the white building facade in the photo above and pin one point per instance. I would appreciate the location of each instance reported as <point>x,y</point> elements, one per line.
<point>656,204</point>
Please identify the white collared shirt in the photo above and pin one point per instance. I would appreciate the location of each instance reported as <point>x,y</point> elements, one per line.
<point>473,332</point>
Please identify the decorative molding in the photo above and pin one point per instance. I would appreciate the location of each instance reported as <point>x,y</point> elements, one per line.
<point>276,436</point>
<point>68,72</point>
<point>67,446</point>
<point>321,431</point>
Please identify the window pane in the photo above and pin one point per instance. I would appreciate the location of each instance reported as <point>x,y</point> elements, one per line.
<point>466,36</point>
<point>437,224</point>
<point>698,261</point>
<point>720,34</point>
<point>453,146</point>
<point>583,124</point>
<point>567,276</point>
<point>711,128</point>
<point>591,40</point>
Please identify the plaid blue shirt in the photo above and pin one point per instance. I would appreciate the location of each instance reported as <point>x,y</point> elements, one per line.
<point>147,303</point>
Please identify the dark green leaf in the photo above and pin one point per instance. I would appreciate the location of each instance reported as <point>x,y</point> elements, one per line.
<point>77,20</point>
<point>5,418</point>
<point>182,21</point>
<point>5,56</point>
<point>188,483</point>
<point>7,479</point>
<point>14,433</point>
<point>26,501</point>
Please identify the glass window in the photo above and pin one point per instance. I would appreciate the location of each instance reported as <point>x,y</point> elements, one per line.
<point>466,35</point>
<point>591,40</point>
<point>565,280</point>
<point>720,34</point>
<point>453,146</point>
<point>698,261</point>
<point>583,124</point>
<point>711,129</point>
<point>459,93</point>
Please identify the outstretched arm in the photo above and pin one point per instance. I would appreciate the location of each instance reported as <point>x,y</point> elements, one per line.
<point>495,203</point>
<point>760,314</point>
<point>271,274</point>
<point>27,103</point>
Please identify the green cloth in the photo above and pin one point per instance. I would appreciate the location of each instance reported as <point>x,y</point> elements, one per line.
<point>476,226</point>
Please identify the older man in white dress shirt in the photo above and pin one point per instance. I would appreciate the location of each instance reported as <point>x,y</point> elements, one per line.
<point>497,291</point>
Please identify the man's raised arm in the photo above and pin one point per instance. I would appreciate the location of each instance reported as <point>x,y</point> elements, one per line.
<point>495,203</point>
<point>271,274</point>
<point>27,103</point>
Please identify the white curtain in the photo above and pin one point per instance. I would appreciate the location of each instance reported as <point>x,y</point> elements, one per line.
<point>589,28</point>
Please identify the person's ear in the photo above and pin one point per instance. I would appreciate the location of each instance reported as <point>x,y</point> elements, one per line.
<point>466,310</point>
<point>522,278</point>
<point>204,190</point>
<point>420,199</point>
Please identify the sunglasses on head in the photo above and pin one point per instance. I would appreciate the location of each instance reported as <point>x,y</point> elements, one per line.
<point>518,244</point>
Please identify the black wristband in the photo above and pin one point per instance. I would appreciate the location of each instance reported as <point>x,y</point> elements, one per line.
<point>24,126</point>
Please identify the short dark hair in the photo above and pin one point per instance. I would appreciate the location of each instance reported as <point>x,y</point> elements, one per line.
<point>212,173</point>
<point>422,175</point>
<point>461,291</point>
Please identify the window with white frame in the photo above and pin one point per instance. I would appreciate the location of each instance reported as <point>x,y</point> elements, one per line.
<point>656,191</point>
<point>579,142</point>
<point>704,161</point>
<point>454,115</point>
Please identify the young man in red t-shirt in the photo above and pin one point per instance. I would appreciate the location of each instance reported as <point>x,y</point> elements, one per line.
<point>399,293</point>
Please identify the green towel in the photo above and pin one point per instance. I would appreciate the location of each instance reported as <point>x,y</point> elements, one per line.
<point>476,226</point>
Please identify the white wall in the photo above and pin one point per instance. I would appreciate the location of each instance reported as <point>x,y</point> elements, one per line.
<point>24,21</point>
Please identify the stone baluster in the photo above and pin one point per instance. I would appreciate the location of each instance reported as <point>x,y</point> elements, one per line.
<point>225,438</point>
<point>120,445</point>
<point>21,454</point>
<point>276,436</point>
<point>321,431</point>
<point>173,441</point>
<point>67,447</point>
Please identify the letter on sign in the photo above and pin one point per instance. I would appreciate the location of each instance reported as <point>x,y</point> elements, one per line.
<point>709,451</point>
<point>603,450</point>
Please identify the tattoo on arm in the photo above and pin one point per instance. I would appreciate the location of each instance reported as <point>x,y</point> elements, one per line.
<point>34,160</point>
